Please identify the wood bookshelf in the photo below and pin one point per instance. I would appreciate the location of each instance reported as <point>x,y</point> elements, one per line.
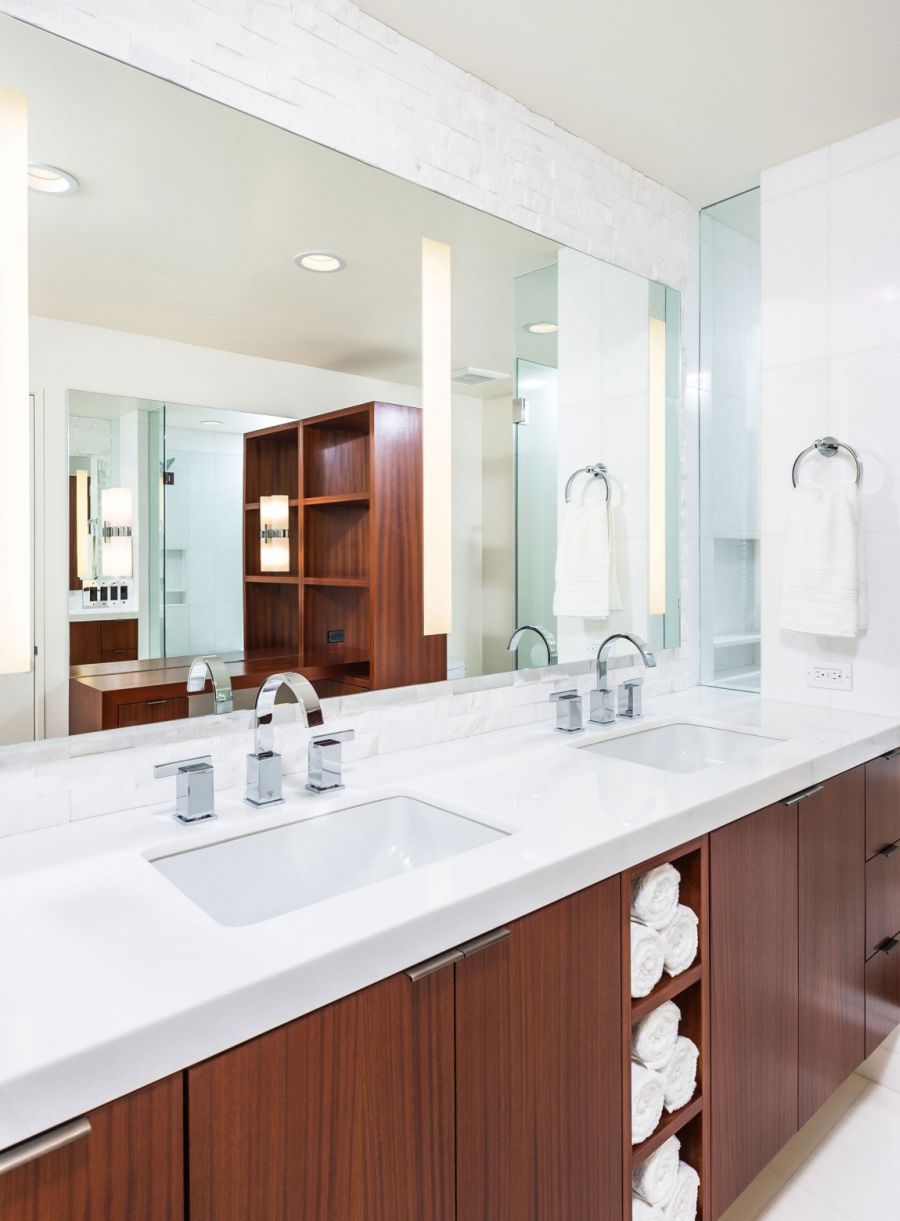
<point>354,482</point>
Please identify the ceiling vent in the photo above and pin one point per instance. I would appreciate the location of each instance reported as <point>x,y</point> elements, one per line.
<point>476,377</point>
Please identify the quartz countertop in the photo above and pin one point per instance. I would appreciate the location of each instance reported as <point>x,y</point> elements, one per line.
<point>112,978</point>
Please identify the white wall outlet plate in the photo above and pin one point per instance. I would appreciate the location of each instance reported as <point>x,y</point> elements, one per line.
<point>832,678</point>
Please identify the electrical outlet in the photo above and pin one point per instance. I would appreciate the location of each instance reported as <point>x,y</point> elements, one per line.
<point>832,678</point>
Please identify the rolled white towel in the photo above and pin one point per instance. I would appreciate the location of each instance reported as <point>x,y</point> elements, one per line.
<point>680,940</point>
<point>679,1076</point>
<point>647,959</point>
<point>647,1098</point>
<point>683,1204</point>
<point>654,1180</point>
<point>653,1038</point>
<point>642,1211</point>
<point>654,896</point>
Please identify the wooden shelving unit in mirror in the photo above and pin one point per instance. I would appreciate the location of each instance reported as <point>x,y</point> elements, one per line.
<point>351,594</point>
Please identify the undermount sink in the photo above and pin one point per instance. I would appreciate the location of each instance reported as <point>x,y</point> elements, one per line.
<point>683,746</point>
<point>266,873</point>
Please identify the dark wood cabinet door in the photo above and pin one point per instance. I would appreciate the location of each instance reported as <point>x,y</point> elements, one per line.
<point>84,643</point>
<point>343,1115</point>
<point>119,640</point>
<point>754,998</point>
<point>882,803</point>
<point>832,937</point>
<point>129,1166</point>
<point>539,1067</point>
<point>882,996</point>
<point>152,712</point>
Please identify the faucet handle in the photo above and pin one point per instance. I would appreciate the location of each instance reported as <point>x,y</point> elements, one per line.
<point>631,698</point>
<point>603,706</point>
<point>568,710</point>
<point>325,767</point>
<point>194,787</point>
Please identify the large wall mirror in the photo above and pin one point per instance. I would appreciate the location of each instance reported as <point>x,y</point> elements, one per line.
<point>302,414</point>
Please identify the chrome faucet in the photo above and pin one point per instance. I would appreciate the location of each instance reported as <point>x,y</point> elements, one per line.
<point>264,765</point>
<point>213,668</point>
<point>604,705</point>
<point>545,634</point>
<point>326,761</point>
<point>195,791</point>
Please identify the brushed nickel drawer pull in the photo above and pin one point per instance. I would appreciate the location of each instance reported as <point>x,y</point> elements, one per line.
<point>422,969</point>
<point>892,754</point>
<point>890,945</point>
<point>803,794</point>
<point>889,849</point>
<point>484,942</point>
<point>47,1142</point>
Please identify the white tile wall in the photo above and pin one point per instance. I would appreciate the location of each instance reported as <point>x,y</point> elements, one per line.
<point>831,364</point>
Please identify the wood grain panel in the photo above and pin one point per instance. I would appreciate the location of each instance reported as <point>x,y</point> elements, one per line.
<point>831,829</point>
<point>539,1067</point>
<point>272,462</point>
<point>129,1167</point>
<point>882,804</point>
<point>882,997</point>
<point>343,1115</point>
<point>151,712</point>
<point>119,640</point>
<point>882,900</point>
<point>754,997</point>
<point>84,643</point>
<point>336,450</point>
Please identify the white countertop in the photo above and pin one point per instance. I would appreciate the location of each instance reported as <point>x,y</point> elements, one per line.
<point>111,978</point>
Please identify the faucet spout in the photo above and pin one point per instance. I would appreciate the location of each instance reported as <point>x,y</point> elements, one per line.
<point>546,636</point>
<point>640,644</point>
<point>213,668</point>
<point>303,692</point>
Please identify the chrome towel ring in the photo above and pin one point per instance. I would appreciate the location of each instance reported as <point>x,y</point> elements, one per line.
<point>827,447</point>
<point>597,471</point>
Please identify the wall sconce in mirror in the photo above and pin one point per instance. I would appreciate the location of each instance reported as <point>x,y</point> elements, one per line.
<point>274,534</point>
<point>116,514</point>
<point>84,560</point>
<point>656,466</point>
<point>437,437</point>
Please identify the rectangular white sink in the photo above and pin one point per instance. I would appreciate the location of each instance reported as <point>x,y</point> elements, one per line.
<point>267,873</point>
<point>683,746</point>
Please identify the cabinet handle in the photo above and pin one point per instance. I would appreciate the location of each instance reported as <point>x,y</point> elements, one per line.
<point>153,703</point>
<point>890,945</point>
<point>468,948</point>
<point>47,1142</point>
<point>430,965</point>
<point>802,796</point>
<point>892,754</point>
<point>889,849</point>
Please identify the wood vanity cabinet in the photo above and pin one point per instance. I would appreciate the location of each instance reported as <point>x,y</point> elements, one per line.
<point>488,1089</point>
<point>129,1165</point>
<point>102,640</point>
<point>882,970</point>
<point>754,945</point>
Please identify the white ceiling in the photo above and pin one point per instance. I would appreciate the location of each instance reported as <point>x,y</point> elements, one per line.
<point>699,94</point>
<point>189,215</point>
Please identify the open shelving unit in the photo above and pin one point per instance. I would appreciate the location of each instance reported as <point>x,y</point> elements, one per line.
<point>352,599</point>
<point>690,991</point>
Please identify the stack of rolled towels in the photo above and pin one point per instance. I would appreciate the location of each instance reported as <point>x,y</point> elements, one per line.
<point>664,1188</point>
<point>663,1069</point>
<point>663,931</point>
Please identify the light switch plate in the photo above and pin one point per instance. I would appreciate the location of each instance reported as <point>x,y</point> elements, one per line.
<point>831,678</point>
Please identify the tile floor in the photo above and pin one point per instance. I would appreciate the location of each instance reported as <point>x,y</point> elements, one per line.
<point>844,1162</point>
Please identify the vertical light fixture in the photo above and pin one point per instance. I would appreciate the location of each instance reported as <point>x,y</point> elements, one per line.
<point>656,472</point>
<point>437,437</point>
<point>274,534</point>
<point>16,643</point>
<point>83,566</point>
<point>116,514</point>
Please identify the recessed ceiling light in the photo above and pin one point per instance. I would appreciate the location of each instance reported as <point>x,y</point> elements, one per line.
<point>319,260</point>
<point>50,180</point>
<point>212,423</point>
<point>542,328</point>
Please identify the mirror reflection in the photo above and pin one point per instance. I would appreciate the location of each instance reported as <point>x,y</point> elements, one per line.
<point>320,418</point>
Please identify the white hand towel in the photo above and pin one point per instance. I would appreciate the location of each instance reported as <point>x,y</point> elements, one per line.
<point>683,1204</point>
<point>679,1076</point>
<point>583,561</point>
<point>679,940</point>
<point>647,1100</point>
<point>647,959</point>
<point>824,587</point>
<point>653,1038</point>
<point>654,896</point>
<point>642,1211</point>
<point>654,1180</point>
